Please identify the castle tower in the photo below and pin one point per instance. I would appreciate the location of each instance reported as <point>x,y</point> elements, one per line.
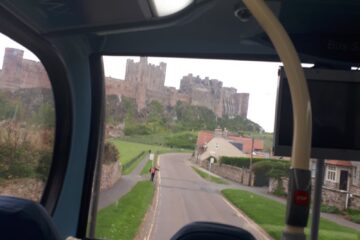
<point>11,69</point>
<point>147,79</point>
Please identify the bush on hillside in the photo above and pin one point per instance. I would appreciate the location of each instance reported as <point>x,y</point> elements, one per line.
<point>181,140</point>
<point>18,157</point>
<point>111,153</point>
<point>43,166</point>
<point>136,129</point>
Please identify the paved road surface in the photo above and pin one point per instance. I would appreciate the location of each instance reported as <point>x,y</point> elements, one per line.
<point>185,197</point>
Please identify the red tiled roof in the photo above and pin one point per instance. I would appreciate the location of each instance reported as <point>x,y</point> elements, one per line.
<point>204,137</point>
<point>339,163</point>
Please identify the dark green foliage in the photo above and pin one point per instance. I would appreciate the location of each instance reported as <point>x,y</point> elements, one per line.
<point>194,117</point>
<point>111,153</point>
<point>136,129</point>
<point>43,166</point>
<point>329,209</point>
<point>7,108</point>
<point>33,106</point>
<point>354,215</point>
<point>239,124</point>
<point>19,158</point>
<point>279,190</point>
<point>181,140</point>
<point>113,110</point>
<point>263,169</point>
<point>272,167</point>
<point>156,119</point>
<point>242,162</point>
<point>133,160</point>
<point>45,116</point>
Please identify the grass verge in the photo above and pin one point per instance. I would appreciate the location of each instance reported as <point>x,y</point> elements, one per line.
<point>129,150</point>
<point>146,168</point>
<point>270,215</point>
<point>209,177</point>
<point>122,219</point>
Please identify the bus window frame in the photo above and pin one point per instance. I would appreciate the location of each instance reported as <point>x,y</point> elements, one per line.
<point>15,29</point>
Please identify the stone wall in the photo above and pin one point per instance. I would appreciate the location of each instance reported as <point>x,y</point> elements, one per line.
<point>355,198</point>
<point>239,175</point>
<point>330,196</point>
<point>22,73</point>
<point>110,174</point>
<point>30,188</point>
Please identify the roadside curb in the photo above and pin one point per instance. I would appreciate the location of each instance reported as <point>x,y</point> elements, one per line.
<point>249,222</point>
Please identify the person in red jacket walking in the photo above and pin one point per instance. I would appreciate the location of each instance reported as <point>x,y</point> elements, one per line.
<point>152,172</point>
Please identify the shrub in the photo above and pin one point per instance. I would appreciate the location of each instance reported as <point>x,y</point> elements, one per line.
<point>242,162</point>
<point>279,190</point>
<point>181,140</point>
<point>44,164</point>
<point>111,153</point>
<point>272,167</point>
<point>329,209</point>
<point>136,129</point>
<point>354,215</point>
<point>355,218</point>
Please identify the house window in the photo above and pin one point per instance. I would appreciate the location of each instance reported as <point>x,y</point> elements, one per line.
<point>331,173</point>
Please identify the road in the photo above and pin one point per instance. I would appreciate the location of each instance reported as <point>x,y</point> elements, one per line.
<point>184,197</point>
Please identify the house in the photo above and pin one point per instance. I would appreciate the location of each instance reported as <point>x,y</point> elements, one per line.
<point>341,186</point>
<point>223,143</point>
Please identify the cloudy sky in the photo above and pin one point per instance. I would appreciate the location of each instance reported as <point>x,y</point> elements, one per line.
<point>257,78</point>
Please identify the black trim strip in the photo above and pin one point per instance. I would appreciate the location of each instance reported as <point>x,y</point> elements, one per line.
<point>11,26</point>
<point>189,13</point>
<point>95,139</point>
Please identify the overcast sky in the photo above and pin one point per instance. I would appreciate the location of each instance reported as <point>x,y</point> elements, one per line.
<point>257,78</point>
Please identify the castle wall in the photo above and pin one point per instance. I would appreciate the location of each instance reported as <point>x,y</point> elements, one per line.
<point>22,73</point>
<point>143,81</point>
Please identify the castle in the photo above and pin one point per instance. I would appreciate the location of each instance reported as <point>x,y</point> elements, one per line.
<point>18,72</point>
<point>143,82</point>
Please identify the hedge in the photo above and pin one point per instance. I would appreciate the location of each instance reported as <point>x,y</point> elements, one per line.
<point>272,167</point>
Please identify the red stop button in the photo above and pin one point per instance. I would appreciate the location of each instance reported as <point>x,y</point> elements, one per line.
<point>301,198</point>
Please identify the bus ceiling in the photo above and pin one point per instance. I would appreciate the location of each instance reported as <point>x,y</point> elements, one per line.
<point>323,32</point>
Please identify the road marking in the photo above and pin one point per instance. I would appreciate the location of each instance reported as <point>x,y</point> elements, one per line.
<point>248,220</point>
<point>156,202</point>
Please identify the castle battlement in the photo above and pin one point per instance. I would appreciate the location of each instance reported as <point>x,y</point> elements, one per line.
<point>18,72</point>
<point>143,81</point>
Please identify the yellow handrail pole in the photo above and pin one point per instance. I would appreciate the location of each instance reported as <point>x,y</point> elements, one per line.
<point>298,86</point>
